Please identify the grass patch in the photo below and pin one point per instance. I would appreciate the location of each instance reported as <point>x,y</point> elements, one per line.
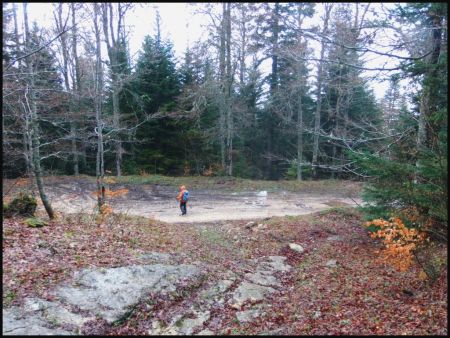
<point>8,298</point>
<point>240,184</point>
<point>343,211</point>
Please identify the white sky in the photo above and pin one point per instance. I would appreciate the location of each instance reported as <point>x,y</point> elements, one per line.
<point>178,24</point>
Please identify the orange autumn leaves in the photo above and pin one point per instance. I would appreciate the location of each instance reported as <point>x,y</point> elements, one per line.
<point>110,193</point>
<point>106,209</point>
<point>399,241</point>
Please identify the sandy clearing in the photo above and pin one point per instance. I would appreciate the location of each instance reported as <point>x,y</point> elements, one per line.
<point>204,206</point>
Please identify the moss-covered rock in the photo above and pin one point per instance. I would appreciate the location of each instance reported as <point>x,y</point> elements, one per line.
<point>23,205</point>
<point>34,222</point>
<point>5,208</point>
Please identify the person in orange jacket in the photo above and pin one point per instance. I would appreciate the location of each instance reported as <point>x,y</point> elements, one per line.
<point>183,197</point>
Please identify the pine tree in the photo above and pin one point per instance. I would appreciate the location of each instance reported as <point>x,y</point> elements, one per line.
<point>413,174</point>
<point>156,84</point>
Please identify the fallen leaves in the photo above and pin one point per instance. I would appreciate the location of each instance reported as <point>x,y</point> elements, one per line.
<point>362,298</point>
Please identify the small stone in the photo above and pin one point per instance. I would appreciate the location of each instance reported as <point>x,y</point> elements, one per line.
<point>331,263</point>
<point>250,225</point>
<point>317,314</point>
<point>334,238</point>
<point>296,247</point>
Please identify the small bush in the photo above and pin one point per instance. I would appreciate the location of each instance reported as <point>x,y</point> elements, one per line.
<point>23,205</point>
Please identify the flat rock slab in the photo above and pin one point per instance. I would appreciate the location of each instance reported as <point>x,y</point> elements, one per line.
<point>17,323</point>
<point>249,292</point>
<point>104,293</point>
<point>259,284</point>
<point>181,325</point>
<point>248,315</point>
<point>272,264</point>
<point>109,293</point>
<point>262,279</point>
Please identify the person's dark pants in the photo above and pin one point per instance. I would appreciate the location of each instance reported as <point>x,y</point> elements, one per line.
<point>183,208</point>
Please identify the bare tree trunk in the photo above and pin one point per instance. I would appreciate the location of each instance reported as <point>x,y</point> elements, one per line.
<point>243,43</point>
<point>273,86</point>
<point>222,76</point>
<point>428,131</point>
<point>328,8</point>
<point>113,47</point>
<point>60,25</point>
<point>116,125</point>
<point>77,87</point>
<point>31,104</point>
<point>229,82</point>
<point>100,170</point>
<point>27,148</point>
<point>73,133</point>
<point>299,137</point>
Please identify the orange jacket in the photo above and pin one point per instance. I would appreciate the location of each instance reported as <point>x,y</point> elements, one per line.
<point>180,195</point>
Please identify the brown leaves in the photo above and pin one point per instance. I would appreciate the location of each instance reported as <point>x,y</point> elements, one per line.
<point>356,297</point>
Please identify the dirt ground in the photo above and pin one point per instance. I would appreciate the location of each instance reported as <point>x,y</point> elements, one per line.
<point>74,195</point>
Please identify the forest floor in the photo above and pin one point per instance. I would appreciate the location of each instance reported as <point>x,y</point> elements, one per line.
<point>335,286</point>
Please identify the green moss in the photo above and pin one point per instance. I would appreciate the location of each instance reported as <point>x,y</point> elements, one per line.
<point>34,222</point>
<point>23,205</point>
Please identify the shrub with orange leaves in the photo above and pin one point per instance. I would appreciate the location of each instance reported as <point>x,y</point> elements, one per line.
<point>208,172</point>
<point>110,193</point>
<point>106,210</point>
<point>399,241</point>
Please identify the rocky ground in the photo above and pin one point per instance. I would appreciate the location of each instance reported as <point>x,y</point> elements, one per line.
<point>110,294</point>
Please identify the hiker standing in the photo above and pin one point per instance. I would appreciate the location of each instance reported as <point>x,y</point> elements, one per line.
<point>183,197</point>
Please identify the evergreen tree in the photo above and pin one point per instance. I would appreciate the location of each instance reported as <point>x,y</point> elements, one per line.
<point>156,84</point>
<point>414,176</point>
